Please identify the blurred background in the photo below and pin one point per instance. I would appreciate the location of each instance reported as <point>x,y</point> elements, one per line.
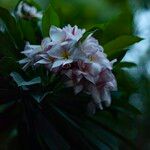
<point>86,13</point>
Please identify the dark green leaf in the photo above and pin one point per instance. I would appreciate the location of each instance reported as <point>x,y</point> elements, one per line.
<point>3,107</point>
<point>120,43</point>
<point>49,18</point>
<point>51,137</point>
<point>7,47</point>
<point>12,27</point>
<point>28,30</point>
<point>125,64</point>
<point>8,64</point>
<point>20,81</point>
<point>39,96</point>
<point>121,25</point>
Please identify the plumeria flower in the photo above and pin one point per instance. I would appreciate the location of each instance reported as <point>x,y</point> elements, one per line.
<point>73,33</point>
<point>31,52</point>
<point>63,55</point>
<point>92,52</point>
<point>25,10</point>
<point>67,35</point>
<point>83,63</point>
<point>101,91</point>
<point>56,36</point>
<point>90,46</point>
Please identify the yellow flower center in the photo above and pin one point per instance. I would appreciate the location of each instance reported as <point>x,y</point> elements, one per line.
<point>65,54</point>
<point>92,58</point>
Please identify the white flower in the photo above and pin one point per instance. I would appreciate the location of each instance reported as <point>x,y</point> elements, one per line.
<point>84,64</point>
<point>73,33</point>
<point>31,52</point>
<point>101,91</point>
<point>92,53</point>
<point>90,46</point>
<point>25,10</point>
<point>56,36</point>
<point>63,55</point>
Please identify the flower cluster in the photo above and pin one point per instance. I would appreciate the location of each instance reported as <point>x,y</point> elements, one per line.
<point>82,62</point>
<point>24,10</point>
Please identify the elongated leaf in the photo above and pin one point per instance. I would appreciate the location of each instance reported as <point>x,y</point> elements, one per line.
<point>49,18</point>
<point>39,96</point>
<point>12,27</point>
<point>103,136</point>
<point>49,134</point>
<point>20,81</point>
<point>28,30</point>
<point>5,106</point>
<point>31,82</point>
<point>8,64</point>
<point>7,47</point>
<point>125,65</point>
<point>120,43</point>
<point>121,25</point>
<point>114,127</point>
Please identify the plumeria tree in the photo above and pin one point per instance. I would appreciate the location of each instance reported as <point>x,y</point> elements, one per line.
<point>64,86</point>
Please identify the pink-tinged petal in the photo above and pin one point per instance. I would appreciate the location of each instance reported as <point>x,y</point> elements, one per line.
<point>68,73</point>
<point>46,44</point>
<point>96,97</point>
<point>113,61</point>
<point>55,51</point>
<point>26,65</point>
<point>44,56</point>
<point>90,78</point>
<point>106,97</point>
<point>42,61</point>
<point>23,61</point>
<point>90,46</point>
<point>57,63</point>
<point>64,43</point>
<point>56,34</point>
<point>67,61</point>
<point>73,33</point>
<point>95,69</point>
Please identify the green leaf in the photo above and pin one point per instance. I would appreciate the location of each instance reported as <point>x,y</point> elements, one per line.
<point>49,134</point>
<point>31,82</point>
<point>87,33</point>
<point>20,81</point>
<point>71,122</point>
<point>114,127</point>
<point>39,96</point>
<point>8,64</point>
<point>49,18</point>
<point>121,25</point>
<point>12,27</point>
<point>103,136</point>
<point>7,47</point>
<point>120,43</point>
<point>5,106</point>
<point>125,64</point>
<point>28,30</point>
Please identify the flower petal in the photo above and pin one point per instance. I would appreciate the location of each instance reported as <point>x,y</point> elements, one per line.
<point>57,63</point>
<point>56,34</point>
